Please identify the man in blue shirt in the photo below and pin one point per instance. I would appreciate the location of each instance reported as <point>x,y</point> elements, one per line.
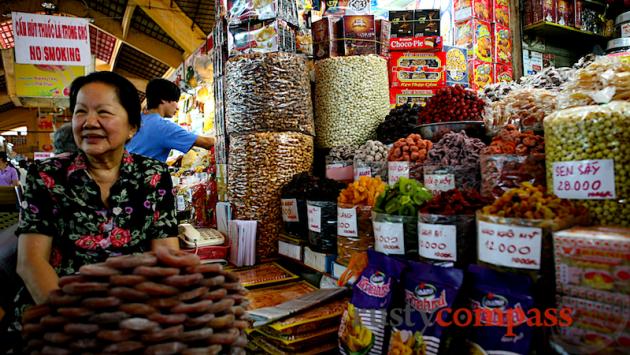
<point>157,136</point>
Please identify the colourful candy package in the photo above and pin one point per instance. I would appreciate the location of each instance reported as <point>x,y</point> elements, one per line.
<point>364,324</point>
<point>428,289</point>
<point>500,303</point>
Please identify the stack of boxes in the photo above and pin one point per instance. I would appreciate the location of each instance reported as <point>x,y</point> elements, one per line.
<point>482,27</point>
<point>337,36</point>
<point>562,12</point>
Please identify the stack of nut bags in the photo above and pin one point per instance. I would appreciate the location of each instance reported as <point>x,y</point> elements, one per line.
<point>269,118</point>
<point>164,302</point>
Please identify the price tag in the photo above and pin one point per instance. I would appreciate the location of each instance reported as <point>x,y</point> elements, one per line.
<point>584,179</point>
<point>289,210</point>
<point>389,238</point>
<point>437,241</point>
<point>362,171</point>
<point>314,218</point>
<point>396,170</point>
<point>625,30</point>
<point>347,222</point>
<point>512,246</point>
<point>181,203</point>
<point>439,182</point>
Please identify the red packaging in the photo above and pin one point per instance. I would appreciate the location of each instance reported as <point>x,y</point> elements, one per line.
<point>565,12</point>
<point>417,70</point>
<point>544,10</point>
<point>478,9</point>
<point>579,7</point>
<point>502,44</point>
<point>480,74</point>
<point>502,12</point>
<point>476,36</point>
<point>400,96</point>
<point>503,73</point>
<point>416,44</point>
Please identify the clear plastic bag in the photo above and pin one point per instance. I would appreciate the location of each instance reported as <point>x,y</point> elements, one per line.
<point>239,11</point>
<point>259,165</point>
<point>444,178</point>
<point>268,92</point>
<point>524,108</point>
<point>395,235</point>
<point>588,155</point>
<point>322,230</point>
<point>373,169</point>
<point>501,172</point>
<point>348,245</point>
<point>296,224</point>
<point>447,240</point>
<point>340,170</point>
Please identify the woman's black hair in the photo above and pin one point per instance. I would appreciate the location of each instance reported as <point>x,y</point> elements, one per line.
<point>161,89</point>
<point>4,157</point>
<point>125,90</point>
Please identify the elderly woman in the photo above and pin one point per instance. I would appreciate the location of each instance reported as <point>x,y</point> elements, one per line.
<point>80,208</point>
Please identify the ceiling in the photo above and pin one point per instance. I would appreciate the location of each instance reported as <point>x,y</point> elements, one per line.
<point>140,39</point>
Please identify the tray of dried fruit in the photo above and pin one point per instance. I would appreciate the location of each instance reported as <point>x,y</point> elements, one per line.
<point>263,275</point>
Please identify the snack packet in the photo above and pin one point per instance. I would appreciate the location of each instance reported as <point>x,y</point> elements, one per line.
<point>427,290</point>
<point>500,303</point>
<point>364,324</point>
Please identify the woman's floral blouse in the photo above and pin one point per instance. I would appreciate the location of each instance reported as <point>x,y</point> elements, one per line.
<point>62,201</point>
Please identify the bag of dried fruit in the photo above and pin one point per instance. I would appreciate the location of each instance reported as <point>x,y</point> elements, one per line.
<point>371,160</point>
<point>321,210</point>
<point>406,157</point>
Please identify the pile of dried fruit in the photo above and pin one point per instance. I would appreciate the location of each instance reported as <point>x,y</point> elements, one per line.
<point>154,303</point>
<point>511,141</point>
<point>452,104</point>
<point>362,192</point>
<point>532,202</point>
<point>454,202</point>
<point>413,149</point>
<point>403,199</point>
<point>400,122</point>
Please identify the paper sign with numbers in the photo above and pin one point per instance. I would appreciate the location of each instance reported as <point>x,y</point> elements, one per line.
<point>362,171</point>
<point>439,182</point>
<point>347,222</point>
<point>507,245</point>
<point>389,238</point>
<point>314,218</point>
<point>289,210</point>
<point>437,241</point>
<point>584,179</point>
<point>396,170</point>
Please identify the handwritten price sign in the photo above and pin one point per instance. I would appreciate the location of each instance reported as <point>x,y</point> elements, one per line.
<point>512,246</point>
<point>437,241</point>
<point>362,171</point>
<point>584,179</point>
<point>396,170</point>
<point>389,238</point>
<point>314,218</point>
<point>347,222</point>
<point>439,182</point>
<point>289,210</point>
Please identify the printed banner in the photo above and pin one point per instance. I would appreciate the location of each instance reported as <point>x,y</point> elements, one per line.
<point>45,80</point>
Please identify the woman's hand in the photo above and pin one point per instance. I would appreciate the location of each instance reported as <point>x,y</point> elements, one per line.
<point>170,242</point>
<point>33,265</point>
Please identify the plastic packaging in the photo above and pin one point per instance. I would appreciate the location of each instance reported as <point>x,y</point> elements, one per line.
<point>322,226</point>
<point>604,80</point>
<point>524,108</point>
<point>447,240</point>
<point>259,165</point>
<point>588,154</point>
<point>268,92</point>
<point>501,172</point>
<point>239,11</point>
<point>349,243</point>
<point>448,177</point>
<point>340,170</point>
<point>370,159</point>
<point>261,37</point>
<point>395,235</point>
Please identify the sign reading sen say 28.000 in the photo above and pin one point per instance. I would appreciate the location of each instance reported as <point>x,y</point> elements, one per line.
<point>52,40</point>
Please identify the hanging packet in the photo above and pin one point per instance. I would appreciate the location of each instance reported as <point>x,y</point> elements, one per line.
<point>500,304</point>
<point>428,289</point>
<point>364,324</point>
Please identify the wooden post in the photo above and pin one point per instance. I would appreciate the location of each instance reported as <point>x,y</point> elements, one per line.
<point>517,37</point>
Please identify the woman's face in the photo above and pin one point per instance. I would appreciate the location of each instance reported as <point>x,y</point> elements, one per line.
<point>100,124</point>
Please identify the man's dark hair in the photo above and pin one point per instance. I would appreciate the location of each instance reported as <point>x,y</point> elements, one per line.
<point>127,93</point>
<point>161,89</point>
<point>63,139</point>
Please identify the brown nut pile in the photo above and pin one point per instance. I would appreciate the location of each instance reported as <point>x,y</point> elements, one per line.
<point>259,165</point>
<point>164,302</point>
<point>268,92</point>
<point>524,108</point>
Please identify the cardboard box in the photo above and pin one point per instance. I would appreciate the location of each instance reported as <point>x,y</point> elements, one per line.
<point>565,12</point>
<point>477,9</point>
<point>456,69</point>
<point>544,10</point>
<point>503,73</point>
<point>417,70</point>
<point>426,23</point>
<point>502,44</point>
<point>502,12</point>
<point>481,74</point>
<point>416,44</point>
<point>263,37</point>
<point>325,33</point>
<point>476,36</point>
<point>402,23</point>
<point>400,96</point>
<point>243,11</point>
<point>359,35</point>
<point>383,30</point>
<point>532,62</point>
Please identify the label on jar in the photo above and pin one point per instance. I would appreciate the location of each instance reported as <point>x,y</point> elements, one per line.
<point>437,241</point>
<point>389,238</point>
<point>584,179</point>
<point>347,222</point>
<point>396,170</point>
<point>625,30</point>
<point>507,245</point>
<point>181,203</point>
<point>439,182</point>
<point>362,171</point>
<point>289,210</point>
<point>314,218</point>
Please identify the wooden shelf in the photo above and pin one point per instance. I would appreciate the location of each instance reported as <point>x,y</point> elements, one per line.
<point>570,35</point>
